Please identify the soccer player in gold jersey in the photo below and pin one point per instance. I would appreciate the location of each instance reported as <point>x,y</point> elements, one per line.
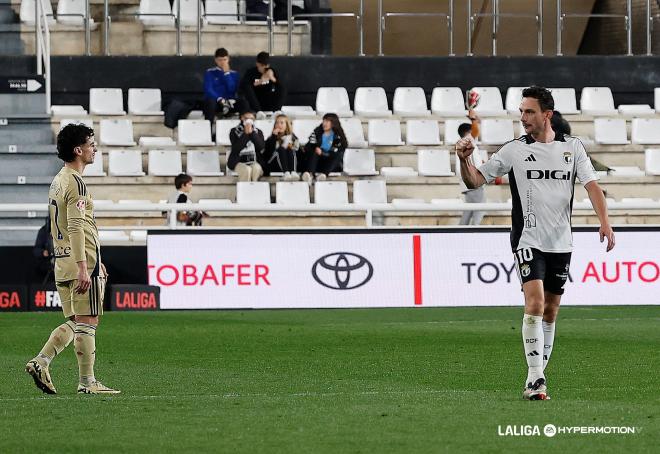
<point>79,274</point>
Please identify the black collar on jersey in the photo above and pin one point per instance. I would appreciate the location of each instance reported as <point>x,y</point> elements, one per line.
<point>559,137</point>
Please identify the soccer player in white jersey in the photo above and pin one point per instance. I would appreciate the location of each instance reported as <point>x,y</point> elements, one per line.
<point>542,167</point>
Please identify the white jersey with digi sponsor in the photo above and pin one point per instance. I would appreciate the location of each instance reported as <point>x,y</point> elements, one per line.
<point>542,181</point>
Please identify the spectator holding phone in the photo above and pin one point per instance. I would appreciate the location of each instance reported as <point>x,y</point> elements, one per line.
<point>261,89</point>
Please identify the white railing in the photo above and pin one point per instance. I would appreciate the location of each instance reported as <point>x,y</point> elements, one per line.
<point>42,46</point>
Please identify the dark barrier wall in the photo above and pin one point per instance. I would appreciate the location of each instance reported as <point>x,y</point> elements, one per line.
<point>632,79</point>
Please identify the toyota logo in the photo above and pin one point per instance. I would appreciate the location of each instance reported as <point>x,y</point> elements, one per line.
<point>342,271</point>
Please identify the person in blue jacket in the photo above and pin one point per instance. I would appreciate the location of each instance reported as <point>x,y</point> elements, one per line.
<point>220,86</point>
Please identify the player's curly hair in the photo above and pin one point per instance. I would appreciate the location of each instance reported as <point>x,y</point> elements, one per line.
<point>542,95</point>
<point>72,136</point>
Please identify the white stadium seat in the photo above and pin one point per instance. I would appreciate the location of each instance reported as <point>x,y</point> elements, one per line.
<point>214,201</point>
<point>227,11</point>
<point>434,163</point>
<point>113,236</point>
<point>385,132</point>
<point>304,127</point>
<point>298,111</point>
<point>448,102</point>
<point>70,110</point>
<point>85,121</point>
<point>652,161</point>
<point>333,100</point>
<point>398,172</point>
<point>116,132</point>
<point>195,132</point>
<point>156,142</point>
<point>71,12</point>
<point>610,131</point>
<point>360,162</point>
<point>222,129</point>
<point>139,236</point>
<point>188,12</point>
<point>95,169</point>
<point>265,126</point>
<point>626,171</point>
<point>125,163</point>
<point>156,13</point>
<point>513,99</point>
<point>496,131</point>
<point>490,102</point>
<point>645,131</point>
<point>635,109</point>
<point>447,201</point>
<point>597,101</point>
<point>253,193</point>
<point>292,193</point>
<point>203,163</point>
<point>144,101</point>
<point>369,191</point>
<point>410,102</point>
<point>423,132</point>
<point>565,100</point>
<point>331,193</point>
<point>27,12</point>
<point>106,101</point>
<point>451,129</point>
<point>165,163</point>
<point>354,132</point>
<point>371,102</point>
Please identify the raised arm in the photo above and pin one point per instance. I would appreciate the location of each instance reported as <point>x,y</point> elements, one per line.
<point>469,173</point>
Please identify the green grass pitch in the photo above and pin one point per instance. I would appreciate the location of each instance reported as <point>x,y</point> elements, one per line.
<point>335,381</point>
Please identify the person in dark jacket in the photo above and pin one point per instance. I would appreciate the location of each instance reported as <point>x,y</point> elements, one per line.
<point>283,150</point>
<point>43,254</point>
<point>325,149</point>
<point>247,149</point>
<point>220,87</point>
<point>261,88</point>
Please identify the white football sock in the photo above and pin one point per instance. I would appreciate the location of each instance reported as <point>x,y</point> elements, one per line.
<point>532,333</point>
<point>548,341</point>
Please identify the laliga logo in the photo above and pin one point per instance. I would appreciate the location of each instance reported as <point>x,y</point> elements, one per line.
<point>342,271</point>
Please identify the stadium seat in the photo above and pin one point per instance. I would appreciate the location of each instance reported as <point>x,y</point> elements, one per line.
<point>610,131</point>
<point>298,111</point>
<point>156,13</point>
<point>85,121</point>
<point>331,193</point>
<point>27,12</point>
<point>303,128</point>
<point>635,109</point>
<point>70,110</point>
<point>113,236</point>
<point>652,161</point>
<point>156,142</point>
<point>354,132</point>
<point>597,101</point>
<point>385,132</point>
<point>106,101</point>
<point>371,102</point>
<point>626,171</point>
<point>144,101</point>
<point>410,102</point>
<point>222,129</point>
<point>203,163</point>
<point>645,131</point>
<point>116,132</point>
<point>451,129</point>
<point>513,99</point>
<point>369,191</point>
<point>434,163</point>
<point>398,172</point>
<point>496,131</point>
<point>226,10</point>
<point>188,12</point>
<point>265,126</point>
<point>333,100</point>
<point>490,102</point>
<point>165,163</point>
<point>71,12</point>
<point>125,163</point>
<point>229,171</point>
<point>656,99</point>
<point>359,162</point>
<point>252,193</point>
<point>422,132</point>
<point>448,102</point>
<point>214,201</point>
<point>565,100</point>
<point>195,132</point>
<point>292,193</point>
<point>95,169</point>
<point>138,236</point>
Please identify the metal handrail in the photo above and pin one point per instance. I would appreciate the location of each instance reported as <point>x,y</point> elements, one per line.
<point>42,47</point>
<point>358,17</point>
<point>626,17</point>
<point>382,17</point>
<point>649,27</point>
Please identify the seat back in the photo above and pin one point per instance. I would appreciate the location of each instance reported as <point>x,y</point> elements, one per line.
<point>369,191</point>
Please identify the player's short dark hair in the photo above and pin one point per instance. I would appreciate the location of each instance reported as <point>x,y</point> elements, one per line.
<point>182,179</point>
<point>221,52</point>
<point>263,58</point>
<point>71,136</point>
<point>463,129</point>
<point>542,95</point>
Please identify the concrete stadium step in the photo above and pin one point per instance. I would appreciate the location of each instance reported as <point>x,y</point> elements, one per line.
<point>25,132</point>
<point>23,105</point>
<point>17,237</point>
<point>28,164</point>
<point>29,148</point>
<point>10,39</point>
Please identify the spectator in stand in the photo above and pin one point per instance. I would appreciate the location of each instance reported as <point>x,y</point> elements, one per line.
<point>183,184</point>
<point>325,149</point>
<point>247,149</point>
<point>561,126</point>
<point>478,157</point>
<point>220,86</point>
<point>283,149</point>
<point>261,7</point>
<point>43,254</point>
<point>260,87</point>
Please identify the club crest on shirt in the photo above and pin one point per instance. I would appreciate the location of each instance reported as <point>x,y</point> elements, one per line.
<point>80,204</point>
<point>568,157</point>
<point>525,270</point>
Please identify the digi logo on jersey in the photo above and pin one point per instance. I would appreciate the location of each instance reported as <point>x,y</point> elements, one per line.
<point>342,271</point>
<point>533,174</point>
